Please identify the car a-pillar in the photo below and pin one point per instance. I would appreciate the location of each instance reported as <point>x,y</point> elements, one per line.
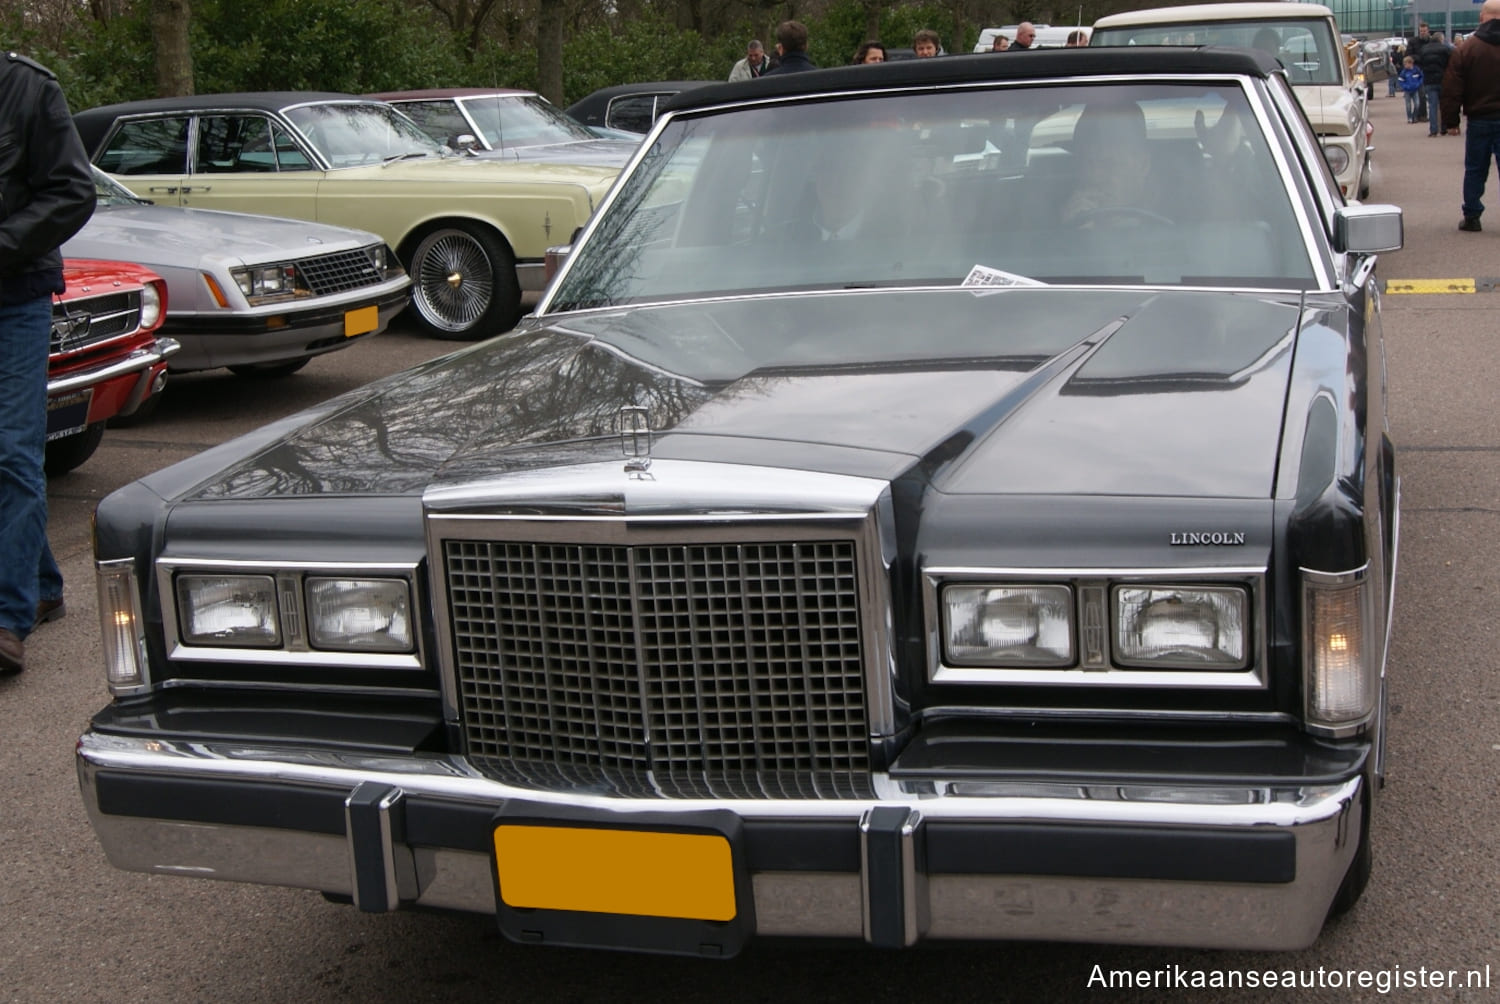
<point>464,282</point>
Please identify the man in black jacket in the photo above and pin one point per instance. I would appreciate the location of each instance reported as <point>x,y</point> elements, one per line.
<point>1472,85</point>
<point>791,40</point>
<point>1433,62</point>
<point>46,195</point>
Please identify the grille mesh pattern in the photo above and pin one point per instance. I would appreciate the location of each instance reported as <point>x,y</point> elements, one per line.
<point>681,670</point>
<point>88,320</point>
<point>334,273</point>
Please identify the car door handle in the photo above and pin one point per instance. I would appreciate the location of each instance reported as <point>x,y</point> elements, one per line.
<point>196,188</point>
<point>163,189</point>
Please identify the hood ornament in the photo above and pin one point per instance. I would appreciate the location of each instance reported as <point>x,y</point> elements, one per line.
<point>635,438</point>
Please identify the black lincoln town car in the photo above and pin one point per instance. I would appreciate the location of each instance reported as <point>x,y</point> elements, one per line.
<point>942,500</point>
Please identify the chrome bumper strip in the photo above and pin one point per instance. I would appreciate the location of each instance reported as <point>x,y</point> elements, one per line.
<point>890,901</point>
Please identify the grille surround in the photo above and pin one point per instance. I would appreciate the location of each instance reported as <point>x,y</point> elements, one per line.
<point>84,322</point>
<point>679,503</point>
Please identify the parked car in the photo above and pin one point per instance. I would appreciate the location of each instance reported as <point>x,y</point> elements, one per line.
<point>1018,568</point>
<point>508,124</point>
<point>260,295</point>
<point>106,357</point>
<point>1304,37</point>
<point>471,233</point>
<point>630,107</point>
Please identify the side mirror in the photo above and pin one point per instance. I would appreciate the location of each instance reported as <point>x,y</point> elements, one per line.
<point>465,142</point>
<point>1367,229</point>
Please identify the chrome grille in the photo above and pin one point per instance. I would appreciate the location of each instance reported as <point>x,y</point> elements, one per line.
<point>86,321</point>
<point>680,670</point>
<point>334,273</point>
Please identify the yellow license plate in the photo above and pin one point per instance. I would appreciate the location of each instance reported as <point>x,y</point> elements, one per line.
<point>358,322</point>
<point>649,874</point>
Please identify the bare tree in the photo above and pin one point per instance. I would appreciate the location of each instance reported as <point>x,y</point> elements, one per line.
<point>466,18</point>
<point>170,21</point>
<point>549,51</point>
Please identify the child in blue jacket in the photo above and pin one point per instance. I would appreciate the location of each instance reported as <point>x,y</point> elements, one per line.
<point>1410,79</point>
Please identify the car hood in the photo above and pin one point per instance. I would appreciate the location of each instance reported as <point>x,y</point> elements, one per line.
<point>170,236</point>
<point>597,152</point>
<point>1330,108</point>
<point>1022,391</point>
<point>456,168</point>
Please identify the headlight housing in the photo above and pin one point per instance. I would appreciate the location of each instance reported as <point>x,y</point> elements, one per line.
<point>1181,627</point>
<point>1337,157</point>
<point>151,305</point>
<point>270,283</point>
<point>1009,625</point>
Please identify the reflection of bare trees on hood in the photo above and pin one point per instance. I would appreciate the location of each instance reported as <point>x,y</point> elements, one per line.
<point>526,388</point>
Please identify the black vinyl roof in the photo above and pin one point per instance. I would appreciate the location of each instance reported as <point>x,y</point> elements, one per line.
<point>93,123</point>
<point>1131,61</point>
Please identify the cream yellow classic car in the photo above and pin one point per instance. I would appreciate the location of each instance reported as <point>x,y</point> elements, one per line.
<point>472,232</point>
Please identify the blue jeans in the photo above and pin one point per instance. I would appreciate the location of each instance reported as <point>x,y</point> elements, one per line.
<point>26,563</point>
<point>1434,95</point>
<point>1413,105</point>
<point>1481,148</point>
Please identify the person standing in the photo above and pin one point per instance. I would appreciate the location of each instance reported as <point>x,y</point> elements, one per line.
<point>926,44</point>
<point>46,195</point>
<point>755,63</point>
<point>1411,86</point>
<point>1000,44</point>
<point>1025,35</point>
<point>1433,62</point>
<point>1414,50</point>
<point>791,42</point>
<point>1472,86</point>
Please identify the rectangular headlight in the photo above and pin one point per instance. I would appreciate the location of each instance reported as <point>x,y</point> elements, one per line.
<point>359,615</point>
<point>228,610</point>
<point>267,282</point>
<point>1181,627</point>
<point>1027,625</point>
<point>1339,672</point>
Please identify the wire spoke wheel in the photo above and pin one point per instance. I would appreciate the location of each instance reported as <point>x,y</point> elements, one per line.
<point>464,283</point>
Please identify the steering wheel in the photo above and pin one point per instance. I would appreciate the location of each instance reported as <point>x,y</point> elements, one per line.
<point>1087,216</point>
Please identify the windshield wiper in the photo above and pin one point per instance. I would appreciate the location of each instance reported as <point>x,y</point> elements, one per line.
<point>413,155</point>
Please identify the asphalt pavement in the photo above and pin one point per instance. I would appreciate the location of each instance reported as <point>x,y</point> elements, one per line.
<point>74,929</point>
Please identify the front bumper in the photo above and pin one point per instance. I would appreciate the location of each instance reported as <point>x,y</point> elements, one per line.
<point>917,862</point>
<point>274,336</point>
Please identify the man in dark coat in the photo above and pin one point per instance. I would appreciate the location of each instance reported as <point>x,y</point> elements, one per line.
<point>791,40</point>
<point>1433,62</point>
<point>46,195</point>
<point>1472,85</point>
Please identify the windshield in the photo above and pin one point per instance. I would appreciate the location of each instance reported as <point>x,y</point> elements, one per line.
<point>350,134</point>
<point>109,192</point>
<point>522,120</point>
<point>1109,185</point>
<point>1306,47</point>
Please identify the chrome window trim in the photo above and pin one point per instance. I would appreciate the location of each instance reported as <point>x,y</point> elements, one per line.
<point>295,650</point>
<point>829,507</point>
<point>1318,254</point>
<point>1252,677</point>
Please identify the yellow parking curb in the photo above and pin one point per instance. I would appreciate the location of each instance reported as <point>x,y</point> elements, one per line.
<point>1431,286</point>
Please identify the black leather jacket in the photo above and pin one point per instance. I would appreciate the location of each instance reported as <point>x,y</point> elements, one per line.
<point>46,186</point>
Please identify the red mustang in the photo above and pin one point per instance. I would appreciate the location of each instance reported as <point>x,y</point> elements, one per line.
<point>106,358</point>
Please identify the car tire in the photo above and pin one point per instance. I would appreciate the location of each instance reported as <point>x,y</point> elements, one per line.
<point>64,454</point>
<point>1364,180</point>
<point>269,371</point>
<point>464,284</point>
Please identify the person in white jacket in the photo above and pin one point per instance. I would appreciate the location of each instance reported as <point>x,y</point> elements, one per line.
<point>753,65</point>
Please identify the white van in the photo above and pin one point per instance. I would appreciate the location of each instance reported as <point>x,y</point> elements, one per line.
<point>1047,37</point>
